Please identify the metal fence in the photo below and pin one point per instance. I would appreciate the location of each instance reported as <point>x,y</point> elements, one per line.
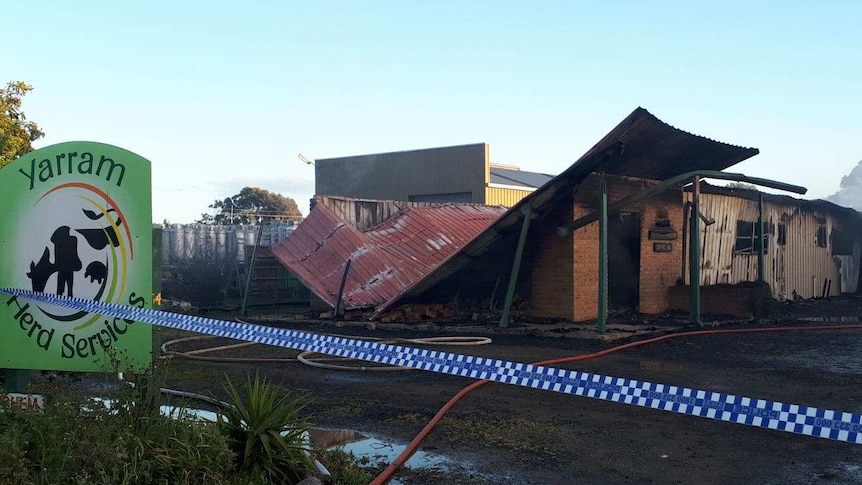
<point>205,266</point>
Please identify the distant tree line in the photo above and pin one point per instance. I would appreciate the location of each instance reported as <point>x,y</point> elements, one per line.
<point>251,205</point>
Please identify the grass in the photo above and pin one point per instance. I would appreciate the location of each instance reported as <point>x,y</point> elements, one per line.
<point>346,469</point>
<point>516,434</point>
<point>339,410</point>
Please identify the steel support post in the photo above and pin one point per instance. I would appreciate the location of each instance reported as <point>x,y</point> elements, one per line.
<point>341,290</point>
<point>516,266</point>
<point>602,320</point>
<point>761,247</point>
<point>694,253</point>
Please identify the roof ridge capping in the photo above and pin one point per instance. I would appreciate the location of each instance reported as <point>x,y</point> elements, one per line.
<point>653,149</point>
<point>641,109</point>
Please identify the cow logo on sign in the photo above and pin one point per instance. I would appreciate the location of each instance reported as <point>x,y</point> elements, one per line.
<point>80,249</point>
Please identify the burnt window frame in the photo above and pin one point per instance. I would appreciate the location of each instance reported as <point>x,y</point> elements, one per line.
<point>781,237</point>
<point>749,240</point>
<point>821,235</point>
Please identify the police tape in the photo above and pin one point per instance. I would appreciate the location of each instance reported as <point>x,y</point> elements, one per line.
<point>792,418</point>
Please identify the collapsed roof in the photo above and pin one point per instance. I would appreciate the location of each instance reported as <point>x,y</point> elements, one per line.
<point>416,250</point>
<point>640,146</point>
<point>385,259</point>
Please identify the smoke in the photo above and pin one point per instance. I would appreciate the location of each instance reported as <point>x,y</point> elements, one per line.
<point>850,189</point>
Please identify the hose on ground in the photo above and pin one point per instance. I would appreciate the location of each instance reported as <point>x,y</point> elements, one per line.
<point>411,448</point>
<point>314,359</point>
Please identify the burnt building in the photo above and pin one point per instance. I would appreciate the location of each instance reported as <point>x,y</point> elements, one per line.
<point>613,231</point>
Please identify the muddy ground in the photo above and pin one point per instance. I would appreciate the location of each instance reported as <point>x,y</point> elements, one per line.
<point>508,434</point>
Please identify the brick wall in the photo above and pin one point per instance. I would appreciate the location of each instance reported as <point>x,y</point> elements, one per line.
<point>565,271</point>
<point>586,267</point>
<point>659,271</point>
<point>552,283</point>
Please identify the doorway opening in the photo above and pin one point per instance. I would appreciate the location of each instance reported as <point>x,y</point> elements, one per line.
<point>624,242</point>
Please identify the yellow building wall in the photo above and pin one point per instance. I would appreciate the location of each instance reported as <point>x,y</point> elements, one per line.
<point>504,197</point>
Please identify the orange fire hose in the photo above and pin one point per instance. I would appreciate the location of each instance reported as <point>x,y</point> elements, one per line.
<point>393,467</point>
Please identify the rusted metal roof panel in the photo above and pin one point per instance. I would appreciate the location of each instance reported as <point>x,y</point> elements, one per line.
<point>386,259</point>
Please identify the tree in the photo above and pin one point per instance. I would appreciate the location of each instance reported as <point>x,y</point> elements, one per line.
<point>741,185</point>
<point>16,133</point>
<point>250,205</point>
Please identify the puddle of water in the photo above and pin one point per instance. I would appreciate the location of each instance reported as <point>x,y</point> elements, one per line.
<point>175,412</point>
<point>378,449</point>
<point>172,411</point>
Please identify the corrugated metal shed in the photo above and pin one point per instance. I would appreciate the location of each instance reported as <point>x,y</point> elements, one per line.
<point>796,264</point>
<point>504,197</point>
<point>640,146</point>
<point>386,259</point>
<point>460,170</point>
<point>363,213</point>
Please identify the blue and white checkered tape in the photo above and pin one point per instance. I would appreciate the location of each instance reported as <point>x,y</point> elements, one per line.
<point>804,420</point>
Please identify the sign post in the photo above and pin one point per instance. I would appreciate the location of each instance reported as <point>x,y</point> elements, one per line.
<point>78,222</point>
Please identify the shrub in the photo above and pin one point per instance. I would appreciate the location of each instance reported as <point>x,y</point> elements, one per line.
<point>78,440</point>
<point>266,431</point>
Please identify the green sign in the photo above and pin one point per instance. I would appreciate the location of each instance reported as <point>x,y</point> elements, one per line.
<point>77,221</point>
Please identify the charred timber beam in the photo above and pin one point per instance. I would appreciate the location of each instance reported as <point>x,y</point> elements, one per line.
<point>671,182</point>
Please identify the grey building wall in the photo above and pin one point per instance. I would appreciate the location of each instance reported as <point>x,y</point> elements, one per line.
<point>429,175</point>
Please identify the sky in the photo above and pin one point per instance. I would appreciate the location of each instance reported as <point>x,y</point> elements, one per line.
<point>222,95</point>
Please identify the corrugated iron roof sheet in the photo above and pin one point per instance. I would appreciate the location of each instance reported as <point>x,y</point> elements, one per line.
<point>656,150</point>
<point>640,146</point>
<point>386,259</point>
<point>521,178</point>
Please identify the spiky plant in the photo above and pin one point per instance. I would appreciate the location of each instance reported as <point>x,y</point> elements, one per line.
<point>265,429</point>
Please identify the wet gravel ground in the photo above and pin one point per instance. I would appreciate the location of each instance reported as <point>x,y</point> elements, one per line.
<point>507,434</point>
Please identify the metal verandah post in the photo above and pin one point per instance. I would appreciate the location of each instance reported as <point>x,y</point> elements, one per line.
<point>761,271</point>
<point>602,319</point>
<point>694,254</point>
<point>516,266</point>
<point>338,302</point>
